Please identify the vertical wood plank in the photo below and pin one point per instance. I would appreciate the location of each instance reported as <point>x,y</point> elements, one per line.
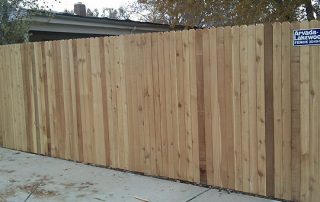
<point>2,100</point>
<point>236,93</point>
<point>174,103</point>
<point>149,116</point>
<point>140,103</point>
<point>77,61</point>
<point>130,82</point>
<point>261,143</point>
<point>181,105</point>
<point>200,106</point>
<point>222,99</point>
<point>207,78</point>
<point>169,106</point>
<point>193,105</point>
<point>244,107</point>
<point>19,116</point>
<point>216,129</point>
<point>314,108</point>
<point>277,102</point>
<point>187,112</point>
<point>40,79</point>
<point>295,117</point>
<point>229,108</point>
<point>74,140</point>
<point>27,51</point>
<point>286,109</point>
<point>9,137</point>
<point>98,123</point>
<point>252,81</point>
<point>66,91</point>
<point>156,90</point>
<point>50,97</point>
<point>305,118</point>
<point>269,117</point>
<point>112,108</point>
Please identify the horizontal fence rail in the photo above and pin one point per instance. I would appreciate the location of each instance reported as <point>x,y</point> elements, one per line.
<point>234,107</point>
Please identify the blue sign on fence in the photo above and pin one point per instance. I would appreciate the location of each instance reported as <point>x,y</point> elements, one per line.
<point>306,37</point>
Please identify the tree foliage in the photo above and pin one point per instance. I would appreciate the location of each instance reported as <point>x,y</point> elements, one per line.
<point>119,14</point>
<point>93,13</point>
<point>205,13</point>
<point>14,15</point>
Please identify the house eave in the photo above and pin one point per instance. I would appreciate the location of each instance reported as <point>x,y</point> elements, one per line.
<point>88,25</point>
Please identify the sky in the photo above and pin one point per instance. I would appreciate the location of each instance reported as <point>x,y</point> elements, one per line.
<point>92,4</point>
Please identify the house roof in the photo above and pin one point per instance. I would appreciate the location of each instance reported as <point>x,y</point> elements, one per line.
<point>68,23</point>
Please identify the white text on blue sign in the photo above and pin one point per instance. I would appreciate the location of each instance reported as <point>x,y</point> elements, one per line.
<point>305,37</point>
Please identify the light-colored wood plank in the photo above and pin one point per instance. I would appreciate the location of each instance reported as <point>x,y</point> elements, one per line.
<point>295,117</point>
<point>140,102</point>
<point>8,137</point>
<point>277,100</point>
<point>74,146</point>
<point>59,118</point>
<point>2,98</point>
<point>222,98</point>
<point>244,107</point>
<point>174,103</point>
<point>236,97</point>
<point>286,109</point>
<point>66,91</point>
<point>187,112</point>
<point>207,77</point>
<point>181,105</point>
<point>156,91</point>
<point>106,88</point>
<point>130,83</point>
<point>229,107</point>
<point>78,60</point>
<point>50,97</point>
<point>82,63</point>
<point>118,100</point>
<point>27,66</point>
<point>169,107</point>
<point>314,184</point>
<point>200,106</point>
<point>112,115</point>
<point>15,143</point>
<point>19,107</point>
<point>39,76</point>
<point>98,123</point>
<point>123,83</point>
<point>305,118</point>
<point>104,63</point>
<point>163,105</point>
<point>193,105</point>
<point>216,129</point>
<point>149,116</point>
<point>252,81</point>
<point>269,117</point>
<point>261,142</point>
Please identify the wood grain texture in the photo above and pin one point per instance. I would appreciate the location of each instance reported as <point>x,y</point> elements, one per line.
<point>244,107</point>
<point>314,184</point>
<point>269,117</point>
<point>235,107</point>
<point>277,102</point>
<point>305,119</point>
<point>295,118</point>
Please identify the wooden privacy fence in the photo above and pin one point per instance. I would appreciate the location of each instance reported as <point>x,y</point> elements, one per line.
<point>235,107</point>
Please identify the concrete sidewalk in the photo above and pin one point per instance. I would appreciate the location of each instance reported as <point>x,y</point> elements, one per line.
<point>28,177</point>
